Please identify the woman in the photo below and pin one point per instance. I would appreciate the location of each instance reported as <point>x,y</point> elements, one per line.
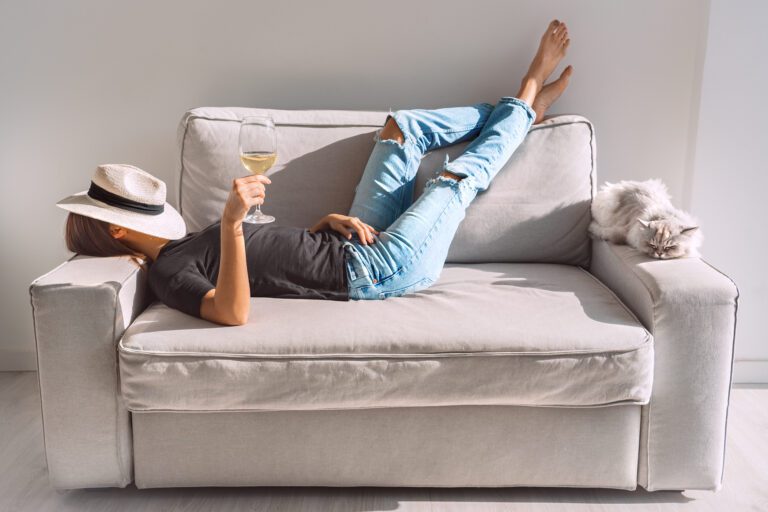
<point>400,247</point>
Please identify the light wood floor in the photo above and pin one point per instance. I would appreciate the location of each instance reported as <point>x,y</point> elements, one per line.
<point>24,484</point>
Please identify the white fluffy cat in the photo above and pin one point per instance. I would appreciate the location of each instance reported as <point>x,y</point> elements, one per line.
<point>641,215</point>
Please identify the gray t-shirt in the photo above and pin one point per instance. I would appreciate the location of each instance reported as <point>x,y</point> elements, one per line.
<point>283,261</point>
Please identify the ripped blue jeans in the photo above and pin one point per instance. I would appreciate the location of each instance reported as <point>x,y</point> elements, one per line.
<point>409,252</point>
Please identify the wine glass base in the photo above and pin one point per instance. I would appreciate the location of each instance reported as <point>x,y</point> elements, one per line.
<point>259,219</point>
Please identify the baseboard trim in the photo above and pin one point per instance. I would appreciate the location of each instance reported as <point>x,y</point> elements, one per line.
<point>750,371</point>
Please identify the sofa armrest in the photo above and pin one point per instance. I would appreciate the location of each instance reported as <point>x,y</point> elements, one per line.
<point>690,308</point>
<point>80,310</point>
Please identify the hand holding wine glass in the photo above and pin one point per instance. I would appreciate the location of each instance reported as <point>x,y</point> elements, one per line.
<point>258,152</point>
<point>246,191</point>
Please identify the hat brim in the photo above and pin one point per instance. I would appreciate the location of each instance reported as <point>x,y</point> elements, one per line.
<point>169,224</point>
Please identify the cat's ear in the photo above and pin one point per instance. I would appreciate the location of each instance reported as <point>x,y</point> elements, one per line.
<point>688,229</point>
<point>644,222</point>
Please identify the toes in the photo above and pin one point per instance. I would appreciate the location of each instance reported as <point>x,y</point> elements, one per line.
<point>567,43</point>
<point>551,32</point>
<point>562,32</point>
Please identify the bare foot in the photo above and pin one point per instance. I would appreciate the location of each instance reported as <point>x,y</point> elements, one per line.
<point>554,43</point>
<point>549,94</point>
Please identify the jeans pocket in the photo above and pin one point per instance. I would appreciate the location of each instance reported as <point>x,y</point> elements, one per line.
<point>358,271</point>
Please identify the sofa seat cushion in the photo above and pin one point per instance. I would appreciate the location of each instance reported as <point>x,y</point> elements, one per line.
<point>483,334</point>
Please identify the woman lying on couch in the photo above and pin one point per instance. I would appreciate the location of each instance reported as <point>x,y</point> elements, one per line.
<point>386,246</point>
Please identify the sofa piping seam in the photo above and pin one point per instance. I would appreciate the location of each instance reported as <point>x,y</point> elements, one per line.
<point>39,382</point>
<point>187,118</point>
<point>733,353</point>
<point>416,355</point>
<point>75,285</point>
<point>191,116</point>
<point>116,369</point>
<point>650,401</point>
<point>617,403</point>
<point>613,294</point>
<point>592,176</point>
<point>54,269</point>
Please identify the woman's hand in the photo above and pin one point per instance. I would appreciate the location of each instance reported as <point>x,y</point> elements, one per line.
<point>346,225</point>
<point>245,192</point>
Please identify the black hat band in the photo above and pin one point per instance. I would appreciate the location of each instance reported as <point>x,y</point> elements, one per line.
<point>105,196</point>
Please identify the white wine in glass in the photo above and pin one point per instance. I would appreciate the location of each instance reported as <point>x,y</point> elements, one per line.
<point>258,152</point>
<point>258,162</point>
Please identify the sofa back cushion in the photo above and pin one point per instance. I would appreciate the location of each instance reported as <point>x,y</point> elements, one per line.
<point>536,210</point>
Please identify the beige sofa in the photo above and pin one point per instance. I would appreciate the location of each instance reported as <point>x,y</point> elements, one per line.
<point>540,357</point>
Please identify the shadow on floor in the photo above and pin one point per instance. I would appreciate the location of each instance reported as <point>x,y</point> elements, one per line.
<point>352,498</point>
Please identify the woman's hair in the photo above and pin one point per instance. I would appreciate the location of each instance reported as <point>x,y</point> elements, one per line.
<point>91,237</point>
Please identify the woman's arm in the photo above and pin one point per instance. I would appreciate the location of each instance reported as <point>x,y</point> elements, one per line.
<point>346,225</point>
<point>229,303</point>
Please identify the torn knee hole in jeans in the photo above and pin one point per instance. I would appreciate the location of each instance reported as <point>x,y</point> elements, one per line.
<point>393,126</point>
<point>445,179</point>
<point>465,182</point>
<point>377,137</point>
<point>447,167</point>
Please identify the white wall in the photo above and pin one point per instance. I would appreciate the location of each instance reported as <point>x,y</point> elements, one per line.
<point>87,82</point>
<point>730,181</point>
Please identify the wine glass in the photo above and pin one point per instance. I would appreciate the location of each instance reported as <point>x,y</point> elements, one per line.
<point>258,152</point>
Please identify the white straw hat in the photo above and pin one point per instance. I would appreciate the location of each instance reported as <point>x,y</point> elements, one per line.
<point>125,195</point>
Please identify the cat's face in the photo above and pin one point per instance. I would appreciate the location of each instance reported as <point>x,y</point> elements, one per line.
<point>665,239</point>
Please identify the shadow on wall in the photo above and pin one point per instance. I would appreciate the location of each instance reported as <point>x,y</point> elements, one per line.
<point>500,225</point>
<point>315,184</point>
